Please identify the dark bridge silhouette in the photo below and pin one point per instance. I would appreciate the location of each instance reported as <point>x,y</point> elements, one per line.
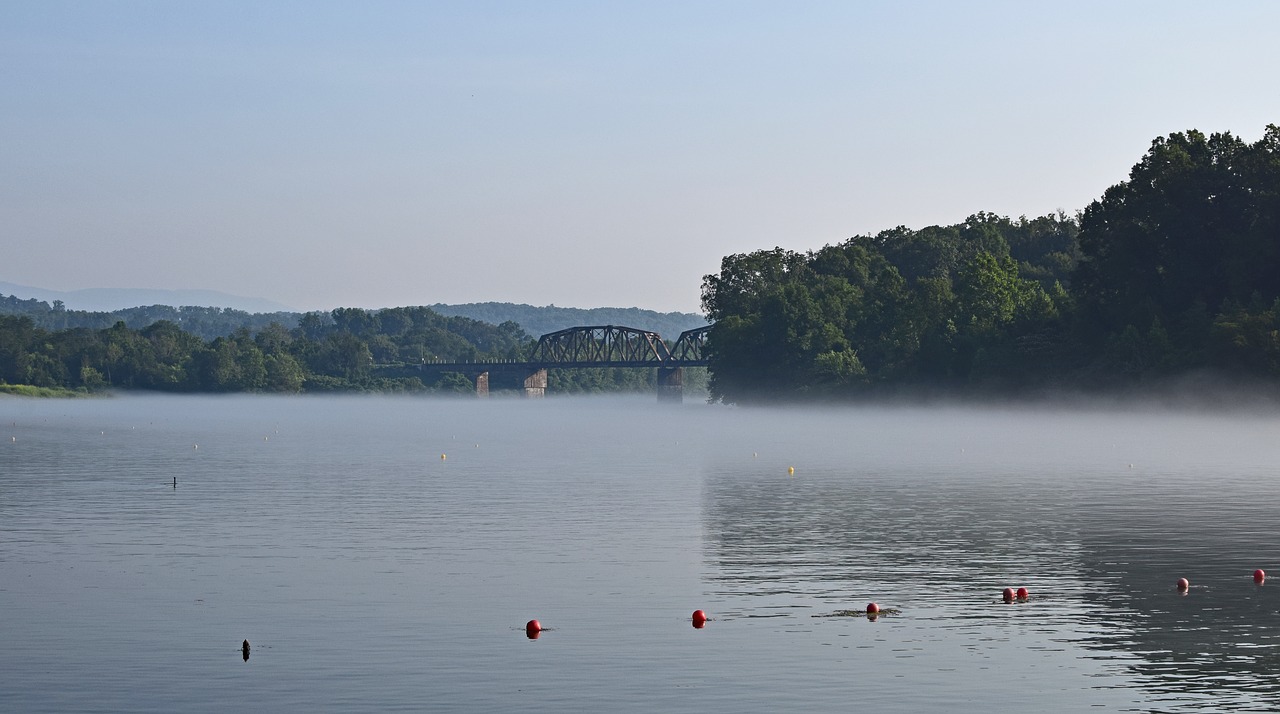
<point>594,346</point>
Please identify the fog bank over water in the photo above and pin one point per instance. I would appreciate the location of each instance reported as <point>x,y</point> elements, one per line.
<point>1211,392</point>
<point>420,534</point>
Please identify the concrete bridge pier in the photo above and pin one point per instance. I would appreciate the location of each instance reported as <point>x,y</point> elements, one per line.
<point>670,384</point>
<point>535,385</point>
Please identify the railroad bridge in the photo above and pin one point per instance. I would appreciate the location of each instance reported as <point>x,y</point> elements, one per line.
<point>594,346</point>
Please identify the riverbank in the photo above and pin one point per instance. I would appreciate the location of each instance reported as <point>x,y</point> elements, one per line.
<point>26,390</point>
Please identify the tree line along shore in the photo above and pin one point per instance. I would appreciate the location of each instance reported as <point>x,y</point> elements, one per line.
<point>1173,272</point>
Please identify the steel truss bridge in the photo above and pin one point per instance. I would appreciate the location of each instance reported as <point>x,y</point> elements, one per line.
<point>595,346</point>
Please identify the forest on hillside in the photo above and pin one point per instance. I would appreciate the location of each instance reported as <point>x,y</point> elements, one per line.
<point>346,349</point>
<point>204,322</point>
<point>1175,271</point>
<point>212,322</point>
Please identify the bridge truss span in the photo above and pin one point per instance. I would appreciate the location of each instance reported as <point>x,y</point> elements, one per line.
<point>601,346</point>
<point>593,346</point>
<point>688,350</point>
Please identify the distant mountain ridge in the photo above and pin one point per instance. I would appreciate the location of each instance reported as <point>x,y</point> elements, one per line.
<point>210,313</point>
<point>541,320</point>
<point>114,299</point>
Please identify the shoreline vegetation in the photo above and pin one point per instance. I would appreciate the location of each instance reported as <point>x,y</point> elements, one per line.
<point>345,350</point>
<point>1170,280</point>
<point>27,390</point>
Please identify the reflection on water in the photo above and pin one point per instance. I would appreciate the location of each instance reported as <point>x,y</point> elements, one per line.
<point>1215,645</point>
<point>939,529</point>
<point>371,574</point>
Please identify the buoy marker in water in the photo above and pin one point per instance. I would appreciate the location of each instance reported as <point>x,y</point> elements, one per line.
<point>873,609</point>
<point>244,649</point>
<point>1259,575</point>
<point>1007,595</point>
<point>1183,585</point>
<point>791,470</point>
<point>443,457</point>
<point>1023,594</point>
<point>699,619</point>
<point>532,629</point>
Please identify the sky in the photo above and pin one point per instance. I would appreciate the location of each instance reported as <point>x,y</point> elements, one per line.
<point>582,154</point>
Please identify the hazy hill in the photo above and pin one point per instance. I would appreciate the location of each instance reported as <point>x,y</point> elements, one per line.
<point>212,314</point>
<point>541,320</point>
<point>113,299</point>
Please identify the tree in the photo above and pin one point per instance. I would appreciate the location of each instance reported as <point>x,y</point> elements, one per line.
<point>1182,230</point>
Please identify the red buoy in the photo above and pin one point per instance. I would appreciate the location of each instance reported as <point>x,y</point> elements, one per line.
<point>699,618</point>
<point>1259,575</point>
<point>1183,584</point>
<point>873,609</point>
<point>533,628</point>
<point>1008,594</point>
<point>1023,594</point>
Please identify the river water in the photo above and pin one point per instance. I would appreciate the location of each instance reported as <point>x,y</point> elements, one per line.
<point>384,553</point>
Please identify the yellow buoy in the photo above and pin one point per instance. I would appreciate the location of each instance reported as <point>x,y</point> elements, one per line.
<point>791,470</point>
<point>443,457</point>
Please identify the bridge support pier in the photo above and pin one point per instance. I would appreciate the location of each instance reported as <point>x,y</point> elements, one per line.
<point>535,385</point>
<point>670,384</point>
<point>482,385</point>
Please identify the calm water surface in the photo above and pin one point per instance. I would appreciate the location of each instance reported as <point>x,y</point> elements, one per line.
<point>372,574</point>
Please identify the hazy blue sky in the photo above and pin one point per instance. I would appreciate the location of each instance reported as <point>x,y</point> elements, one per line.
<point>578,153</point>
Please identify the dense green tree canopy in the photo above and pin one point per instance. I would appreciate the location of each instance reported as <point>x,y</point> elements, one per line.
<point>931,305</point>
<point>1176,269</point>
<point>347,349</point>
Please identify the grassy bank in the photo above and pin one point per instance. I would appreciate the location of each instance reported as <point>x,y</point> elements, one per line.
<point>26,390</point>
